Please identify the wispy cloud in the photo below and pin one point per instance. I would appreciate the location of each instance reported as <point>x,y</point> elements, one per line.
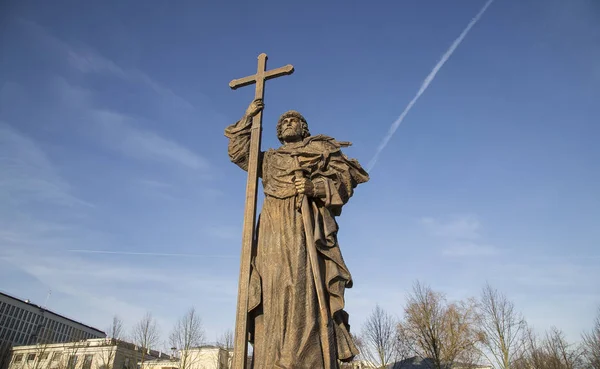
<point>470,249</point>
<point>426,84</point>
<point>120,132</point>
<point>224,232</point>
<point>151,254</point>
<point>88,61</point>
<point>28,174</point>
<point>153,183</point>
<point>538,273</point>
<point>123,132</point>
<point>75,274</point>
<point>459,236</point>
<point>461,227</point>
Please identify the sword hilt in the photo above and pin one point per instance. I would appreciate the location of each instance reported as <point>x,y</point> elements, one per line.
<point>299,172</point>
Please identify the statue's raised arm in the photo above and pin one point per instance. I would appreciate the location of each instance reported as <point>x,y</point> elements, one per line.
<point>239,135</point>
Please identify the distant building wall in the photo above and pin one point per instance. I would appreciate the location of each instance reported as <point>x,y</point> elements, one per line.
<point>204,357</point>
<point>99,353</point>
<point>24,323</point>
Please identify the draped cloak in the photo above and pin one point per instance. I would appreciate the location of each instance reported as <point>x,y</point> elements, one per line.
<point>283,306</point>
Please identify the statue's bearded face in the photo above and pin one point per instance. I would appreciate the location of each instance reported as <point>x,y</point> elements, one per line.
<point>291,129</point>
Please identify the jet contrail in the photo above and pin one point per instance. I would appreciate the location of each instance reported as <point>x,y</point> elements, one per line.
<point>150,254</point>
<point>426,83</point>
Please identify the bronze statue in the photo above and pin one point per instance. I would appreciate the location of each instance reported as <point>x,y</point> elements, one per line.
<point>286,302</point>
<point>292,274</point>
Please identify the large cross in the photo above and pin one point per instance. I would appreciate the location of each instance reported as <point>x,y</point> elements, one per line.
<point>240,346</point>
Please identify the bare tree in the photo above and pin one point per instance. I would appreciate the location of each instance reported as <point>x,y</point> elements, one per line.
<point>423,323</point>
<point>591,344</point>
<point>46,356</point>
<point>529,357</point>
<point>445,333</point>
<point>145,335</point>
<point>187,333</point>
<point>379,339</point>
<point>560,353</point>
<point>552,352</point>
<point>502,326</point>
<point>5,353</point>
<point>116,328</point>
<point>114,333</point>
<point>106,355</point>
<point>68,357</point>
<point>225,341</point>
<point>42,340</point>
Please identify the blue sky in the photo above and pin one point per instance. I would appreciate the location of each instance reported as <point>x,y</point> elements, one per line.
<point>111,139</point>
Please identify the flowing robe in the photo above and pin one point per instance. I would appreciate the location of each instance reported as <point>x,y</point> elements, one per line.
<point>283,304</point>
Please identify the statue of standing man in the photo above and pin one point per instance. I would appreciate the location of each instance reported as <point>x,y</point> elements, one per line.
<point>283,306</point>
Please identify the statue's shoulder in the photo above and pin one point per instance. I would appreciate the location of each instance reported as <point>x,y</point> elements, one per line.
<point>313,145</point>
<point>326,142</point>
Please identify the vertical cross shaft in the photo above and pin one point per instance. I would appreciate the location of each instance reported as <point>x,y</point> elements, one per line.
<point>240,347</point>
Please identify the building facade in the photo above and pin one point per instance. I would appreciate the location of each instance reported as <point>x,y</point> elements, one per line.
<point>106,353</point>
<point>98,353</point>
<point>24,323</point>
<point>203,357</point>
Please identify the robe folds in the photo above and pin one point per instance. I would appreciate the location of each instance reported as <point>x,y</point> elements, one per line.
<point>283,306</point>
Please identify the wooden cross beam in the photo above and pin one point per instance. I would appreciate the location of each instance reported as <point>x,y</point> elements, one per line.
<point>240,346</point>
<point>261,76</point>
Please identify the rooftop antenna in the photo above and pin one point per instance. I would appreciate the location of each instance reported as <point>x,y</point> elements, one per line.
<point>47,298</point>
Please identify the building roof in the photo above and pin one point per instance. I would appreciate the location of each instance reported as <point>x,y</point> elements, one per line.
<point>27,302</point>
<point>416,362</point>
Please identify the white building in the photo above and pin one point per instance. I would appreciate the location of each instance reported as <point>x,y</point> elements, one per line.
<point>358,364</point>
<point>105,353</point>
<point>98,353</point>
<point>203,357</point>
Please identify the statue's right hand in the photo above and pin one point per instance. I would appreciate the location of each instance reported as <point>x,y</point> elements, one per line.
<point>254,107</point>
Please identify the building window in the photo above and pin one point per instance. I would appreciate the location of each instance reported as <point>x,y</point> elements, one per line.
<point>87,362</point>
<point>44,355</point>
<point>56,356</point>
<point>18,358</point>
<point>30,357</point>
<point>72,362</point>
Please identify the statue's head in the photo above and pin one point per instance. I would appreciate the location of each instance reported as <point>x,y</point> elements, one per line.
<point>292,127</point>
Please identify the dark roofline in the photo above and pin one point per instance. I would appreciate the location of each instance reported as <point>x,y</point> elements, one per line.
<point>52,312</point>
